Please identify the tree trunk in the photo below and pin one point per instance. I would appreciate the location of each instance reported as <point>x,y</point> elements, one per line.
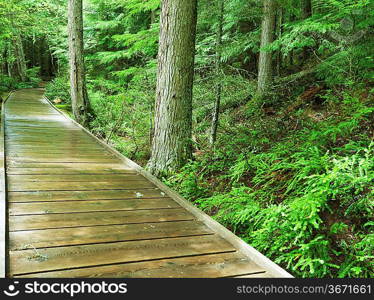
<point>265,67</point>
<point>279,21</point>
<point>20,57</point>
<point>78,90</point>
<point>221,11</point>
<point>171,145</point>
<point>4,62</point>
<point>306,6</point>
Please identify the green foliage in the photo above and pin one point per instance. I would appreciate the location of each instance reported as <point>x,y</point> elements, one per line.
<point>59,89</point>
<point>306,201</point>
<point>7,83</point>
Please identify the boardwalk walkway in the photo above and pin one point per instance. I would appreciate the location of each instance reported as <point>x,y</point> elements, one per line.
<point>78,209</point>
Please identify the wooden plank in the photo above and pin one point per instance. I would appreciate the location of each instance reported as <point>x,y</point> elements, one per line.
<point>37,151</point>
<point>68,171</point>
<point>74,178</point>
<point>84,195</point>
<point>30,239</point>
<point>47,133</point>
<point>43,138</point>
<point>53,156</point>
<point>58,143</point>
<point>207,266</point>
<point>22,147</point>
<point>34,222</point>
<point>78,186</point>
<point>62,159</point>
<point>68,165</point>
<point>48,259</point>
<point>89,206</point>
<point>3,198</point>
<point>13,126</point>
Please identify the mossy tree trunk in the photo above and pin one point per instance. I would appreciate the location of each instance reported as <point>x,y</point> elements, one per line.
<point>171,145</point>
<point>217,104</point>
<point>78,90</point>
<point>20,57</point>
<point>278,31</point>
<point>306,6</point>
<point>265,66</point>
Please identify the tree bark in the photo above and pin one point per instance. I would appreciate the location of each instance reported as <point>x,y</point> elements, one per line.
<point>171,145</point>
<point>20,57</point>
<point>279,22</point>
<point>4,61</point>
<point>217,104</point>
<point>78,90</point>
<point>265,67</point>
<point>306,6</point>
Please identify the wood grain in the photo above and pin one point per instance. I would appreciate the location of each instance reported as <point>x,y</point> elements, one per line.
<point>77,208</point>
<point>47,259</point>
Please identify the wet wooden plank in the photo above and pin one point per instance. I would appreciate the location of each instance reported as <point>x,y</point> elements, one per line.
<point>32,222</point>
<point>208,266</point>
<point>57,156</point>
<point>68,165</point>
<point>47,143</point>
<point>78,186</point>
<point>85,195</point>
<point>74,178</point>
<point>29,239</point>
<point>89,206</point>
<point>10,145</point>
<point>53,151</point>
<point>68,171</point>
<point>62,159</point>
<point>45,138</point>
<point>78,167</point>
<point>48,259</point>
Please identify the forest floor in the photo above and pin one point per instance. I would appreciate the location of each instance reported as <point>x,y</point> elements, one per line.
<point>294,179</point>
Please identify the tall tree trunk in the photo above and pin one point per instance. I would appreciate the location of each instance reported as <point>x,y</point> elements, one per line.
<point>290,55</point>
<point>4,61</point>
<point>306,6</point>
<point>78,90</point>
<point>214,126</point>
<point>153,17</point>
<point>265,67</point>
<point>171,145</point>
<point>279,22</point>
<point>20,57</point>
<point>9,47</point>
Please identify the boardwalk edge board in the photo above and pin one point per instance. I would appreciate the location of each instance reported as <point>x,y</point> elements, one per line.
<point>273,269</point>
<point>3,199</point>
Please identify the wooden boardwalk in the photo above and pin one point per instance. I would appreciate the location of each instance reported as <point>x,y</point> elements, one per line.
<point>76,208</point>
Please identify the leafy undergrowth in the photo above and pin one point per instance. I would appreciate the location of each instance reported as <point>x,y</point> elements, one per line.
<point>9,83</point>
<point>297,185</point>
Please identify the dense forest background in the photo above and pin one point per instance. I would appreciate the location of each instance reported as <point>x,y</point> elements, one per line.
<point>282,112</point>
